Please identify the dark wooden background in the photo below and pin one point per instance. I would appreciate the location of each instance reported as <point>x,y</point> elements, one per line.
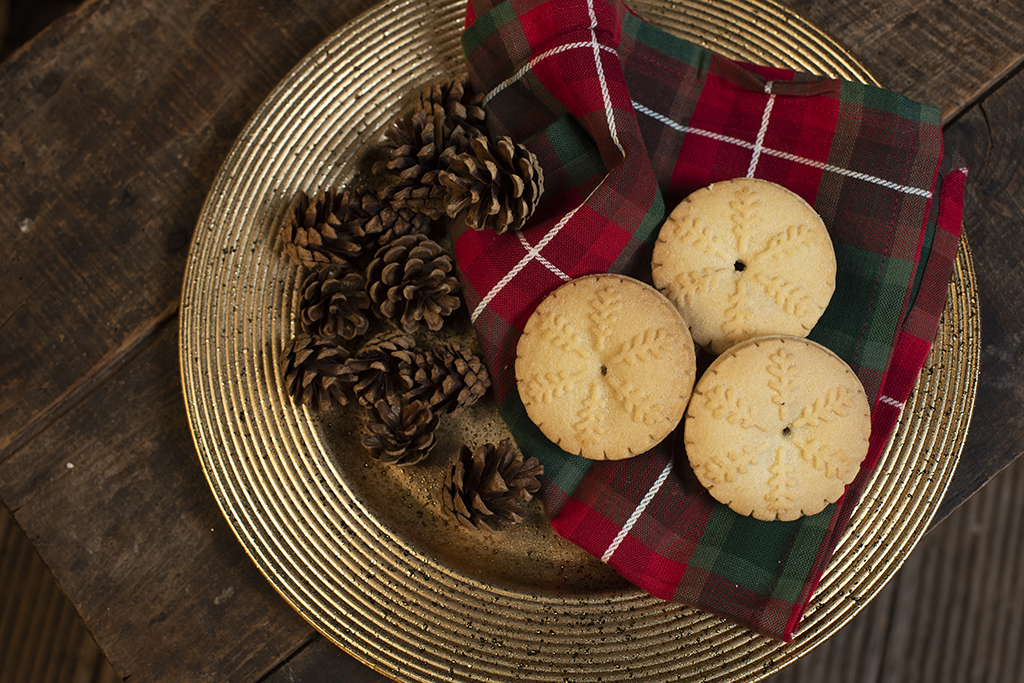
<point>113,123</point>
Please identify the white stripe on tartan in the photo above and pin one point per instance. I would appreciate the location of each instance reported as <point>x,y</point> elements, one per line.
<point>531,253</point>
<point>648,497</point>
<point>889,400</point>
<point>534,252</point>
<point>543,261</point>
<point>605,95</point>
<point>661,118</point>
<point>540,58</point>
<point>759,143</point>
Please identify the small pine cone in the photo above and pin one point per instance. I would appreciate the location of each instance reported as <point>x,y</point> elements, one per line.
<point>420,147</point>
<point>315,234</point>
<point>410,283</point>
<point>312,369</point>
<point>498,186</point>
<point>400,432</point>
<point>381,219</point>
<point>415,144</point>
<point>382,369</point>
<point>428,201</point>
<point>450,378</point>
<point>487,488</point>
<point>460,104</point>
<point>332,304</point>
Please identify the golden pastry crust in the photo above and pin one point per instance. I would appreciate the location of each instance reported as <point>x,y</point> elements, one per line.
<point>745,258</point>
<point>777,427</point>
<point>605,367</point>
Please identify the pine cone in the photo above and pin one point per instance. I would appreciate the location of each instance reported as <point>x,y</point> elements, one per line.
<point>487,488</point>
<point>420,147</point>
<point>450,378</point>
<point>382,369</point>
<point>427,200</point>
<point>460,105</point>
<point>497,186</point>
<point>415,144</point>
<point>409,283</point>
<point>333,299</point>
<point>400,432</point>
<point>311,368</point>
<point>316,235</point>
<point>380,219</point>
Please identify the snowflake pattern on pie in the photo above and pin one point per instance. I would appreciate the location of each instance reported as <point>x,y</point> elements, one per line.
<point>605,367</point>
<point>745,258</point>
<point>777,427</point>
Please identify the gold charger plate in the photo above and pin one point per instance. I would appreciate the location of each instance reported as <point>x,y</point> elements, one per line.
<point>363,551</point>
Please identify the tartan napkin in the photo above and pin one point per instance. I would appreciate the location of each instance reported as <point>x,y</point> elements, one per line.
<point>627,120</point>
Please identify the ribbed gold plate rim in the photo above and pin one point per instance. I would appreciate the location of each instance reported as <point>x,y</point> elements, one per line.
<point>360,551</point>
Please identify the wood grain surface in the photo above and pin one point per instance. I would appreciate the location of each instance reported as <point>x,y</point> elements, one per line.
<point>989,136</point>
<point>42,639</point>
<point>113,124</point>
<point>945,54</point>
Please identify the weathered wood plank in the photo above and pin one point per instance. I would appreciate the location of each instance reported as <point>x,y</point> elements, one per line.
<point>42,638</point>
<point>989,137</point>
<point>114,499</point>
<point>931,52</point>
<point>104,168</point>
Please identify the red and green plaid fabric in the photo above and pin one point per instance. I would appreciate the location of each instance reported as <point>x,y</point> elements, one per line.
<point>626,120</point>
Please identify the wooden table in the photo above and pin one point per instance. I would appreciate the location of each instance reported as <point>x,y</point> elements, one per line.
<point>113,124</point>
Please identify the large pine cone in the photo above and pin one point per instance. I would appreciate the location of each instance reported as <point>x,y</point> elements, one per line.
<point>332,304</point>
<point>400,432</point>
<point>497,187</point>
<point>382,369</point>
<point>487,488</point>
<point>450,378</point>
<point>381,219</point>
<point>316,233</point>
<point>312,369</point>
<point>458,102</point>
<point>410,284</point>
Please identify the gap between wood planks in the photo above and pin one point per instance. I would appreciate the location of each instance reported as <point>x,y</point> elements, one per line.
<point>982,93</point>
<point>107,366</point>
